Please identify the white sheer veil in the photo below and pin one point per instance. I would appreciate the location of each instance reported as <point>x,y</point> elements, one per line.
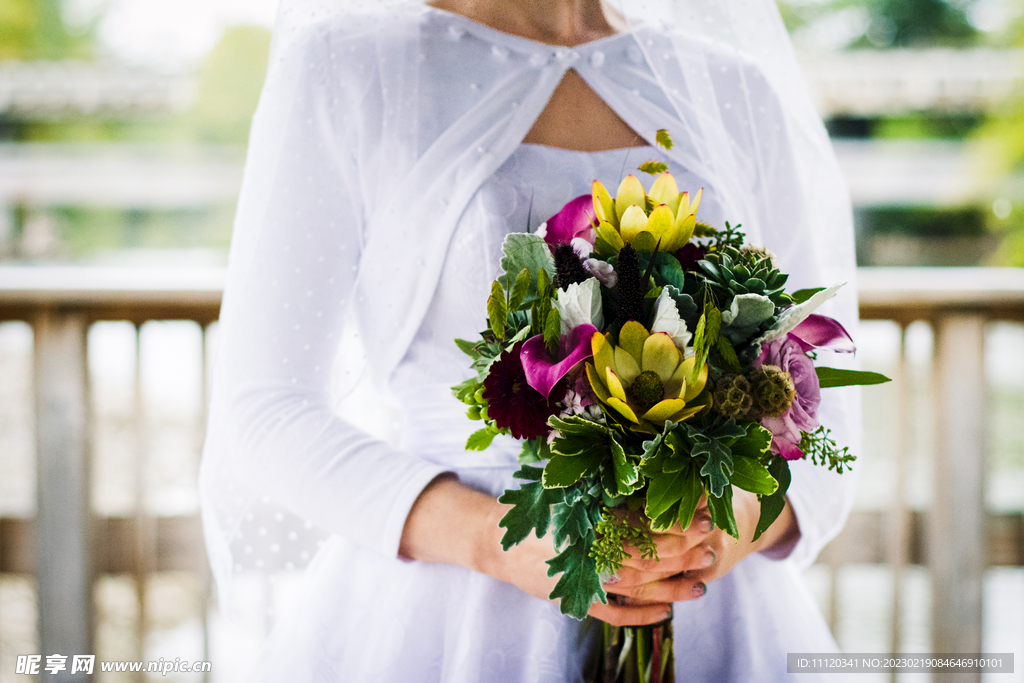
<point>729,80</point>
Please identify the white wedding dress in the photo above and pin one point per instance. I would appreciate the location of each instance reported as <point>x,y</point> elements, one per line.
<point>364,614</point>
<point>370,618</point>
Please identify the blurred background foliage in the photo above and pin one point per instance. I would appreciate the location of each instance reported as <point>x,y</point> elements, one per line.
<point>227,81</point>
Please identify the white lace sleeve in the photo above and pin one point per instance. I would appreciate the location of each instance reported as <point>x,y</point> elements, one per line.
<point>292,274</point>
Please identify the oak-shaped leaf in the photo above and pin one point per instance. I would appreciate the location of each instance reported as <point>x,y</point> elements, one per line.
<point>580,584</point>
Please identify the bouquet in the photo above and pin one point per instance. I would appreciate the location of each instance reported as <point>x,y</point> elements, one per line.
<point>645,359</point>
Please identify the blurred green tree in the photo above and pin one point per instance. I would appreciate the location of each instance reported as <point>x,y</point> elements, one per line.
<point>39,29</point>
<point>230,81</point>
<point>999,151</point>
<point>892,23</point>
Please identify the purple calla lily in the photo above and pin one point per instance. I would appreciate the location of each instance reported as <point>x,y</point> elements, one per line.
<point>576,219</point>
<point>542,373</point>
<point>817,331</point>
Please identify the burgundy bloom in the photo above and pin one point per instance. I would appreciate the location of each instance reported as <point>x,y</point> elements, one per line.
<point>787,354</point>
<point>512,403</point>
<point>690,254</point>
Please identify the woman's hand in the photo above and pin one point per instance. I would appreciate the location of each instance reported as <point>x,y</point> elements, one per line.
<point>689,559</point>
<point>451,523</point>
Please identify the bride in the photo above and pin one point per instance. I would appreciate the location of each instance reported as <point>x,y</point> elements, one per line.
<point>394,146</point>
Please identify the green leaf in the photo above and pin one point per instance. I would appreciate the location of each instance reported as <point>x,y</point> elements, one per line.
<point>534,451</point>
<point>580,584</point>
<point>721,511</point>
<point>728,355</point>
<point>719,464</point>
<point>837,377</point>
<point>693,489</point>
<point>496,311</point>
<point>669,271</point>
<point>576,425</point>
<point>754,444</point>
<point>652,167</point>
<point>531,507</point>
<point>571,522</point>
<point>467,347</point>
<point>663,139</point>
<point>750,475</point>
<point>552,331</point>
<point>706,336</point>
<point>566,470</point>
<point>480,439</point>
<point>525,250</point>
<point>802,295</point>
<point>543,285</point>
<point>771,506</point>
<point>627,478</point>
<point>539,313</point>
<point>519,290</point>
<point>665,491</point>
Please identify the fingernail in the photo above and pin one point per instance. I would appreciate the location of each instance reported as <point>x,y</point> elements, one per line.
<point>612,580</point>
<point>704,526</point>
<point>709,558</point>
<point>699,589</point>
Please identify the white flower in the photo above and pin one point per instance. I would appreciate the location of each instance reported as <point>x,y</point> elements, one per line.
<point>794,315</point>
<point>667,320</point>
<point>603,271</point>
<point>581,246</point>
<point>580,304</point>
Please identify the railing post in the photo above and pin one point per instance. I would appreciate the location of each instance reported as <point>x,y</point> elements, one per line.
<point>898,540</point>
<point>63,548</point>
<point>956,533</point>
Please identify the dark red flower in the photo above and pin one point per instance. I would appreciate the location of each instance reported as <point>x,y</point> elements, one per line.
<point>690,254</point>
<point>512,403</point>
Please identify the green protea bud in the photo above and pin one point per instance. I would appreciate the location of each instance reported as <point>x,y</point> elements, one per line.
<point>733,397</point>
<point>648,388</point>
<point>773,390</point>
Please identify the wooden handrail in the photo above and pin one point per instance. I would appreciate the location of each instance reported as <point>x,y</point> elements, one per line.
<point>60,302</point>
<point>914,292</point>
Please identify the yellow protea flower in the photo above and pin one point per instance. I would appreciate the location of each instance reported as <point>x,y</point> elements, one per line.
<point>644,378</point>
<point>642,219</point>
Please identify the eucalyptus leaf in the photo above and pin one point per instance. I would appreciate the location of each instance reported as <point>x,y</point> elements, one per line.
<point>525,250</point>
<point>838,377</point>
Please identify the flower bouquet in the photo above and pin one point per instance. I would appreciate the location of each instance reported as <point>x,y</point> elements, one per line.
<point>645,360</point>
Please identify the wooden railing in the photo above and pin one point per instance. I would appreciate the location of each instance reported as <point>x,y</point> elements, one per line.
<point>65,546</point>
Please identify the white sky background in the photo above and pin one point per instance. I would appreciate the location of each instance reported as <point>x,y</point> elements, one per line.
<point>169,34</point>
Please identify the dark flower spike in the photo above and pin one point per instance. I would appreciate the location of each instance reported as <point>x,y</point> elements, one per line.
<point>569,267</point>
<point>631,287</point>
